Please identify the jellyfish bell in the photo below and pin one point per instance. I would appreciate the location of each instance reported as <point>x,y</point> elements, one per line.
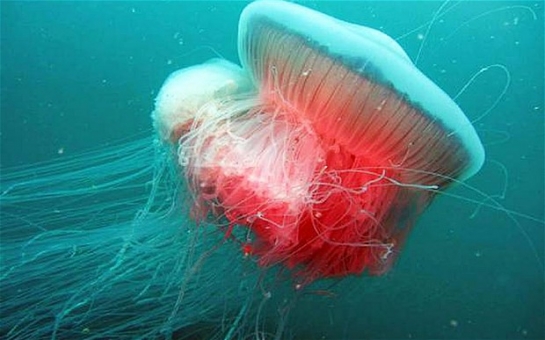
<point>335,152</point>
<point>295,56</point>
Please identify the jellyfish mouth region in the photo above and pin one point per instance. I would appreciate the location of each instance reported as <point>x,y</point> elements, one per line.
<point>311,204</point>
<point>191,93</point>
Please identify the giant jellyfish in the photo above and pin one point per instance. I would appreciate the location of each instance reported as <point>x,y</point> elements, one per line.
<point>327,144</point>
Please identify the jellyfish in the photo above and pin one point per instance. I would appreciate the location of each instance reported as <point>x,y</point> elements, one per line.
<point>326,149</point>
<point>272,201</point>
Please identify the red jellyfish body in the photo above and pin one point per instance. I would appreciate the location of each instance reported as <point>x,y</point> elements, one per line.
<point>327,144</point>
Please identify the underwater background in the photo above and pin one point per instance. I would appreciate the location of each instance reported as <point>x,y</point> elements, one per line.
<point>77,76</point>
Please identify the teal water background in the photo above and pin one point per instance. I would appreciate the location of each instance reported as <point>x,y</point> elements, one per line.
<point>82,75</point>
